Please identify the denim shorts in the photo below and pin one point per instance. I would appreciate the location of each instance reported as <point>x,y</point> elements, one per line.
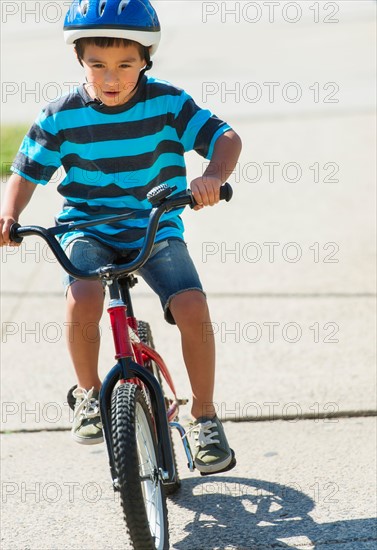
<point>168,271</point>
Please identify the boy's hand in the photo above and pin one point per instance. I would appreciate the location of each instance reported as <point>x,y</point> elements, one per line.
<point>206,191</point>
<point>5,224</point>
<point>18,193</point>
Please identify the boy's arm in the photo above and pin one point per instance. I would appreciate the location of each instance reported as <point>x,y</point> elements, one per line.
<point>206,189</point>
<point>16,197</point>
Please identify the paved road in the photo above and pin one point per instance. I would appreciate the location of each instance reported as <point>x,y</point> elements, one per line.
<point>289,268</point>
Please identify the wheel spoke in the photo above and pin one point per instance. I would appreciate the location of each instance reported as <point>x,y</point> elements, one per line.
<point>137,467</point>
<point>145,336</point>
<point>151,486</point>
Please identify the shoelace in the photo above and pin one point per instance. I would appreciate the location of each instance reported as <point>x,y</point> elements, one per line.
<point>89,406</point>
<point>203,433</point>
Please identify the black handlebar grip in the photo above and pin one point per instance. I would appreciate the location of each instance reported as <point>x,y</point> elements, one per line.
<point>226,192</point>
<point>13,233</point>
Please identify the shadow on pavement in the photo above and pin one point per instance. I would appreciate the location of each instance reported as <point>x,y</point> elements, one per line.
<point>254,514</point>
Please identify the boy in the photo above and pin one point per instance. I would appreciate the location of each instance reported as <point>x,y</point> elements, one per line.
<point>118,136</point>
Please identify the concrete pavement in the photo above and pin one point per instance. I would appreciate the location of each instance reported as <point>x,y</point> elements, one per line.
<point>292,488</point>
<point>289,266</point>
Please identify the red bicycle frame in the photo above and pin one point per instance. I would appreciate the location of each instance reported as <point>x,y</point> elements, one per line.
<point>137,350</point>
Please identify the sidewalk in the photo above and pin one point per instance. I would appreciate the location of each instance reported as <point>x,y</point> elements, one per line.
<point>301,485</point>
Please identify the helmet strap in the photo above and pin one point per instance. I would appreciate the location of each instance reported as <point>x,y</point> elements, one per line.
<point>147,67</point>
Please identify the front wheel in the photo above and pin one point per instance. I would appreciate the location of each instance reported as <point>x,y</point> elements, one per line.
<point>145,335</point>
<point>136,464</point>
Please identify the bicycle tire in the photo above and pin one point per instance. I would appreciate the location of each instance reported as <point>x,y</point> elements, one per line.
<point>135,453</point>
<point>145,335</point>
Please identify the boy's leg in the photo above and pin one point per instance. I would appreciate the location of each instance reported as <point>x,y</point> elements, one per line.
<point>84,311</point>
<point>172,274</point>
<point>190,312</point>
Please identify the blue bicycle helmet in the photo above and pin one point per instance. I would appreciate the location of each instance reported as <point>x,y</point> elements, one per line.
<point>130,19</point>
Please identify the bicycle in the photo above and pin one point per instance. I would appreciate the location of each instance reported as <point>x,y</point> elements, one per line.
<point>136,415</point>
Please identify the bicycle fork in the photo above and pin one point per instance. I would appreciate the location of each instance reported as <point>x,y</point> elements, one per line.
<point>127,369</point>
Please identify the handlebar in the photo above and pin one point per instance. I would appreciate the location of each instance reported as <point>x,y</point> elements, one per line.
<point>161,204</point>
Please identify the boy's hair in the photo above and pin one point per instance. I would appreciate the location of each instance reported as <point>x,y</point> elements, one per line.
<point>109,42</point>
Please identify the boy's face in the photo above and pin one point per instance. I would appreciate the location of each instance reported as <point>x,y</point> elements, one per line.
<point>112,73</point>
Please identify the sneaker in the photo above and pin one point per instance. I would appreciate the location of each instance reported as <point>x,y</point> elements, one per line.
<point>87,425</point>
<point>212,453</point>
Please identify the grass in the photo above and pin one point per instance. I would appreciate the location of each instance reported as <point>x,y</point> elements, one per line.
<point>10,141</point>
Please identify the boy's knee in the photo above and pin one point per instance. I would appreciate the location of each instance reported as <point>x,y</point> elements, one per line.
<point>86,296</point>
<point>189,307</point>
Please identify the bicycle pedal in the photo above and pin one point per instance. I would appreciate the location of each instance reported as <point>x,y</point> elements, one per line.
<point>230,466</point>
<point>186,446</point>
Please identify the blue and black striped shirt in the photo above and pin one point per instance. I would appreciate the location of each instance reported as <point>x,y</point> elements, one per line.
<point>112,156</point>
